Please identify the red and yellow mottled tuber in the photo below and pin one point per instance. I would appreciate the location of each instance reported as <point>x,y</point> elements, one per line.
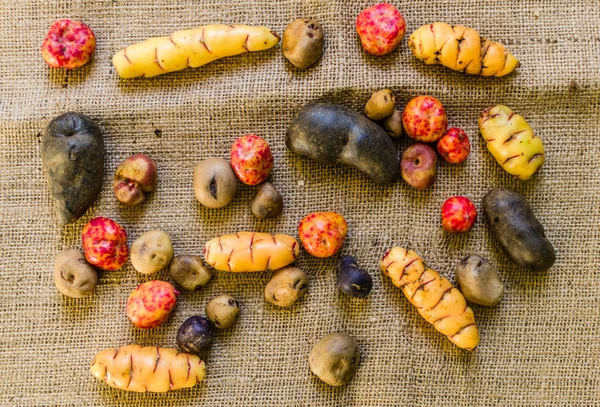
<point>251,159</point>
<point>69,44</point>
<point>458,214</point>
<point>380,28</point>
<point>135,176</point>
<point>323,233</point>
<point>424,119</point>
<point>151,303</point>
<point>454,146</point>
<point>105,243</point>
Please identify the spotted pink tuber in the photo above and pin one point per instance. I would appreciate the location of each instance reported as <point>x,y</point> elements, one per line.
<point>458,214</point>
<point>323,233</point>
<point>380,28</point>
<point>151,303</point>
<point>424,119</point>
<point>69,44</point>
<point>105,244</point>
<point>251,159</point>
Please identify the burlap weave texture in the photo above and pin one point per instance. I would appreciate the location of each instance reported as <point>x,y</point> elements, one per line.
<point>539,347</point>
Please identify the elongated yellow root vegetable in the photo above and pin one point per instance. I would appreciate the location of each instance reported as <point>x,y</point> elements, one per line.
<point>249,251</point>
<point>440,303</point>
<point>511,141</point>
<point>153,369</point>
<point>461,49</point>
<point>191,48</point>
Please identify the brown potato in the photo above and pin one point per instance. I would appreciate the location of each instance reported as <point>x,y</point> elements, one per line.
<point>268,202</point>
<point>393,124</point>
<point>302,43</point>
<point>222,311</point>
<point>73,275</point>
<point>215,183</point>
<point>479,281</point>
<point>151,252</point>
<point>190,272</point>
<point>380,105</point>
<point>287,286</point>
<point>335,358</point>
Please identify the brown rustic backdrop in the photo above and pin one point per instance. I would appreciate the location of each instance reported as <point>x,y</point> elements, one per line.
<point>539,347</point>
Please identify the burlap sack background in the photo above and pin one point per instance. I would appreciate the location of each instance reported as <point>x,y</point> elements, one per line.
<point>539,347</point>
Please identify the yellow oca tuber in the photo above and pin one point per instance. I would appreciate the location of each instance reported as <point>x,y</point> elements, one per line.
<point>191,48</point>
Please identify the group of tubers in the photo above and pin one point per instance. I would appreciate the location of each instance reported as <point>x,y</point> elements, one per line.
<point>73,158</point>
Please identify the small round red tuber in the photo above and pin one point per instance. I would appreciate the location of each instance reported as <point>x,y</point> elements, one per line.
<point>135,176</point>
<point>69,44</point>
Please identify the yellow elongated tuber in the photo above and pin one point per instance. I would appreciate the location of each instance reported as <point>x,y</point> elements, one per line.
<point>191,48</point>
<point>511,141</point>
<point>153,369</point>
<point>250,251</point>
<point>461,49</point>
<point>436,299</point>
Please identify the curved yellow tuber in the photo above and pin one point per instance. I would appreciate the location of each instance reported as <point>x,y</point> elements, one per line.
<point>153,369</point>
<point>191,48</point>
<point>436,299</point>
<point>511,141</point>
<point>461,49</point>
<point>250,251</point>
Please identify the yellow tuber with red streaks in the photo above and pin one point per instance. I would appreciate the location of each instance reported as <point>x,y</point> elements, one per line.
<point>436,299</point>
<point>153,369</point>
<point>461,49</point>
<point>250,251</point>
<point>191,48</point>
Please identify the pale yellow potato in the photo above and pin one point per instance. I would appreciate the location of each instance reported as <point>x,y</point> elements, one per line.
<point>250,251</point>
<point>441,304</point>
<point>461,49</point>
<point>152,369</point>
<point>191,48</point>
<point>511,141</point>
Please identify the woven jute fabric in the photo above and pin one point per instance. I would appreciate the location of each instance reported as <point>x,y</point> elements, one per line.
<point>539,347</point>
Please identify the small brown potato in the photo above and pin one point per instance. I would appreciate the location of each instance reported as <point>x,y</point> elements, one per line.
<point>151,252</point>
<point>335,358</point>
<point>215,183</point>
<point>268,202</point>
<point>479,281</point>
<point>381,105</point>
<point>73,275</point>
<point>302,43</point>
<point>287,286</point>
<point>222,311</point>
<point>190,272</point>
<point>393,124</point>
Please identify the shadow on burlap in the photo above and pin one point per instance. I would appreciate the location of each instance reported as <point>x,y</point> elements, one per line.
<point>539,347</point>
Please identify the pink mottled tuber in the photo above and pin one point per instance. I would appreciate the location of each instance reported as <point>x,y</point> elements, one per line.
<point>69,44</point>
<point>134,177</point>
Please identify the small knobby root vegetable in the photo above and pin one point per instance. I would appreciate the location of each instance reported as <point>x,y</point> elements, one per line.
<point>335,358</point>
<point>393,124</point>
<point>461,49</point>
<point>134,177</point>
<point>518,231</point>
<point>454,146</point>
<point>268,202</point>
<point>251,251</point>
<point>191,48</point>
<point>331,133</point>
<point>195,335</point>
<point>380,28</point>
<point>151,303</point>
<point>215,183</point>
<point>222,311</point>
<point>441,304</point>
<point>286,286</point>
<point>380,105</point>
<point>353,280</point>
<point>418,166</point>
<point>73,159</point>
<point>251,159</point>
<point>153,369</point>
<point>73,275</point>
<point>511,141</point>
<point>189,272</point>
<point>105,243</point>
<point>479,281</point>
<point>323,233</point>
<point>69,44</point>
<point>302,43</point>
<point>151,252</point>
